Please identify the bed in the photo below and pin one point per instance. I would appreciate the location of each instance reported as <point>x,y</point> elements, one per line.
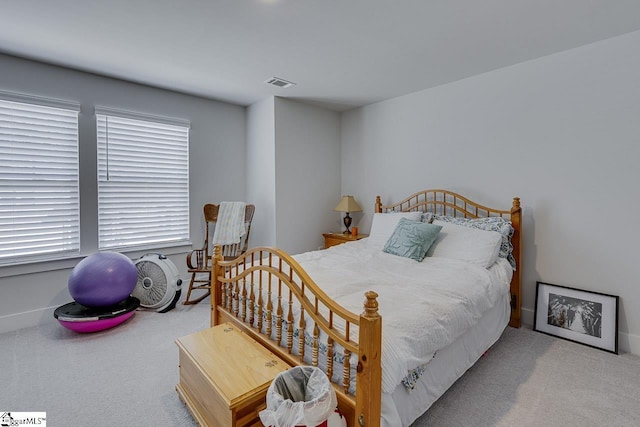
<point>326,308</point>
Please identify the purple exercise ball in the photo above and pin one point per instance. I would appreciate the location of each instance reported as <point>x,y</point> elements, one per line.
<point>103,279</point>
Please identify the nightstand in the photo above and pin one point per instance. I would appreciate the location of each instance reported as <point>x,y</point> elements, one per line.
<point>332,239</point>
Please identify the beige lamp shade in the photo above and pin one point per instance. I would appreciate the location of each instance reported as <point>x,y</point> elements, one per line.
<point>348,204</point>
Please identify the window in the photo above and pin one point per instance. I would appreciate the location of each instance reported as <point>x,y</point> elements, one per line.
<point>143,180</point>
<point>39,191</point>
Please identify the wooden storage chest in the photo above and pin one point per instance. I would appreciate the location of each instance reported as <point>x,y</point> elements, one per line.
<point>224,376</point>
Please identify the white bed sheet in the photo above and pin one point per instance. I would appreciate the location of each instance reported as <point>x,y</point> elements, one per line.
<point>401,407</point>
<point>425,309</point>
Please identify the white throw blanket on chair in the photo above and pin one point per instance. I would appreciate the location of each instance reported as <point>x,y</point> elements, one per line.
<point>230,224</point>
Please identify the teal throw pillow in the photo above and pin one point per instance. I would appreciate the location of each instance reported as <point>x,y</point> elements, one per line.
<point>412,239</point>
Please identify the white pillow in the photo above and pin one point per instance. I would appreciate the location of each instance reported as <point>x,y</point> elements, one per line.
<point>477,246</point>
<point>384,224</point>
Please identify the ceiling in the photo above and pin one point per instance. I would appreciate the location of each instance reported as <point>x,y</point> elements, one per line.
<point>340,53</point>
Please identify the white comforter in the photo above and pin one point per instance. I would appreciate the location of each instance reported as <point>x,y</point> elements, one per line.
<point>425,305</point>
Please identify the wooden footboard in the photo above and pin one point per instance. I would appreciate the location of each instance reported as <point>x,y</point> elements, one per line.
<point>266,293</point>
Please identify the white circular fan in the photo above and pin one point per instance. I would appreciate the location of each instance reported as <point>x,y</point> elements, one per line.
<point>159,284</point>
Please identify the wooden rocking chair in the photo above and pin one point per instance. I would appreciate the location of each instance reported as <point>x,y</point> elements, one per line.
<point>199,260</point>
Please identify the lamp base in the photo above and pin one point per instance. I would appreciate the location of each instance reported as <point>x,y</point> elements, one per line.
<point>347,223</point>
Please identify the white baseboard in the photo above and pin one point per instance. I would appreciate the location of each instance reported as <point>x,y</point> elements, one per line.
<point>627,343</point>
<point>26,319</point>
<point>526,314</point>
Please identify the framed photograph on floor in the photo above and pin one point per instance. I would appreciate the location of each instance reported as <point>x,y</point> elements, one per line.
<point>589,318</point>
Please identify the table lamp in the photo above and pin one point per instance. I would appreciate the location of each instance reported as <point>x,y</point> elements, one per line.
<point>347,204</point>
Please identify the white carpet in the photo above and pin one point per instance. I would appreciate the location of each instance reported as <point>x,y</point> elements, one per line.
<point>126,376</point>
<point>532,379</point>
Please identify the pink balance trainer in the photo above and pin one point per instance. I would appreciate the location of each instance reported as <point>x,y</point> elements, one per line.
<point>78,318</point>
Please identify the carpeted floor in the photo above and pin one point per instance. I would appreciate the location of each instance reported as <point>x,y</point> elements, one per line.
<point>530,379</point>
<point>126,376</point>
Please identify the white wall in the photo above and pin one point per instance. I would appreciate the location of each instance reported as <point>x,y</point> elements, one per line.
<point>29,294</point>
<point>261,171</point>
<point>293,173</point>
<point>307,174</point>
<point>561,132</point>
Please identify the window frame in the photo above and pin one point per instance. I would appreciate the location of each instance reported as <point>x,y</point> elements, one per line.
<point>67,127</point>
<point>125,118</point>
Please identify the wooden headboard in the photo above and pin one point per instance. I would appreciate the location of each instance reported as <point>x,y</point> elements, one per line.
<point>444,202</point>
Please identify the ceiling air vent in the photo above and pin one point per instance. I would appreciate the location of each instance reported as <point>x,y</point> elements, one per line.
<point>278,82</point>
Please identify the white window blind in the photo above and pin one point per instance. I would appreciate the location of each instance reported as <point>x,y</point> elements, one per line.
<point>143,181</point>
<point>39,191</point>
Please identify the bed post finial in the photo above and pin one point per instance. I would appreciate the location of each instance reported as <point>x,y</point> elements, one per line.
<point>371,305</point>
<point>217,256</point>
<point>516,203</point>
<point>378,207</point>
